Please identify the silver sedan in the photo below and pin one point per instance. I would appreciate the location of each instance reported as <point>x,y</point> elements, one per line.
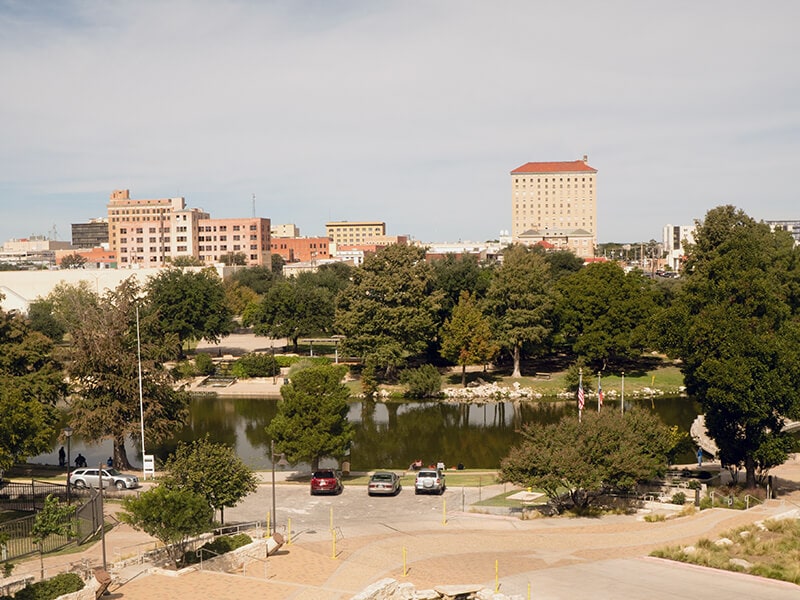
<point>384,482</point>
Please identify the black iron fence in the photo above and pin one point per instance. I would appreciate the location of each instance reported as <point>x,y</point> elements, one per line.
<point>30,497</point>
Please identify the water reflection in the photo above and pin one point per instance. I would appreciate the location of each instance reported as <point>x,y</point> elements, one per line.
<point>387,435</point>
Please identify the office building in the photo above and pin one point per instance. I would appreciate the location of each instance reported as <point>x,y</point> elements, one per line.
<point>555,202</point>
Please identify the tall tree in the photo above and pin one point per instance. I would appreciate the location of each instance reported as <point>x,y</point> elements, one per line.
<point>519,302</point>
<point>455,274</point>
<point>31,383</point>
<point>104,371</point>
<point>603,313</point>
<point>390,311</point>
<point>212,470</point>
<point>54,519</point>
<point>190,304</point>
<point>312,418</point>
<point>73,261</point>
<point>467,336</point>
<point>735,324</point>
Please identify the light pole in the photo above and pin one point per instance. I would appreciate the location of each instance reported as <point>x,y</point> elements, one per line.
<point>272,460</point>
<point>68,435</point>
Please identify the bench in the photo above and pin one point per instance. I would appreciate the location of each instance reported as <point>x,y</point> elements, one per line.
<point>542,375</point>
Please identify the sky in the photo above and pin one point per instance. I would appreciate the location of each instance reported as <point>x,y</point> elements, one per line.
<point>411,112</point>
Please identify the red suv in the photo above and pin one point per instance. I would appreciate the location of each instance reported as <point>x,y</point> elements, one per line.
<point>326,481</point>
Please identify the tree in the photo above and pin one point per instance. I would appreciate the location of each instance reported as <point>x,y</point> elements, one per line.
<point>31,383</point>
<point>519,302</point>
<point>258,279</point>
<point>604,453</point>
<point>186,261</point>
<point>563,262</point>
<point>104,371</point>
<point>293,308</point>
<point>467,336</point>
<point>191,305</point>
<point>389,313</point>
<point>73,261</point>
<point>603,313</point>
<point>54,519</point>
<point>312,418</point>
<point>42,319</point>
<point>212,470</point>
<point>735,325</point>
<point>276,264</point>
<point>171,515</point>
<point>456,274</point>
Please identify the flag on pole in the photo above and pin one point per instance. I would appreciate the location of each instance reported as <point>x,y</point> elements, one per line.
<point>581,397</point>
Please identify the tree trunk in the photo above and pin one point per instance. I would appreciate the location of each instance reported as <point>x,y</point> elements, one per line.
<point>516,372</point>
<point>120,454</point>
<point>222,515</point>
<point>463,375</point>
<point>315,463</point>
<point>750,472</point>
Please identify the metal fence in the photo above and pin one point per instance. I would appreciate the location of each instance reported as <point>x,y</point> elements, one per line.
<point>30,497</point>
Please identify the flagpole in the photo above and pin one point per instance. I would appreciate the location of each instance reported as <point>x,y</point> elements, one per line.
<point>580,393</point>
<point>622,402</point>
<point>599,393</point>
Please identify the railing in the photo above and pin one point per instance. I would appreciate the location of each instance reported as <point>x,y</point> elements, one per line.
<point>747,501</point>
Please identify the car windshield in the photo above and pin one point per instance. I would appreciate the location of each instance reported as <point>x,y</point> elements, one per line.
<point>382,477</point>
<point>113,472</point>
<point>323,474</point>
<point>428,474</point>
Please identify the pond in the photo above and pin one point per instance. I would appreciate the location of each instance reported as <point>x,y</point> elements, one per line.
<point>387,435</point>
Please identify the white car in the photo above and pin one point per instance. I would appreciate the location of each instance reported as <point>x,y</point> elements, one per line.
<point>88,477</point>
<point>430,481</point>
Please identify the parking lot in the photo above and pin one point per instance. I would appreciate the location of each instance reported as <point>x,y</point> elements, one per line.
<point>354,512</point>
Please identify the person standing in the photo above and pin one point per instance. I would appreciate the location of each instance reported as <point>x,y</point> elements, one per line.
<point>62,457</point>
<point>699,457</point>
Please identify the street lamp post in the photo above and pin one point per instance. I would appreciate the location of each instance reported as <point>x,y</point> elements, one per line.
<point>272,460</point>
<point>68,435</point>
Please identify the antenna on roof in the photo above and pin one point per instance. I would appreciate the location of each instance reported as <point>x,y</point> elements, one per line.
<point>54,233</point>
<point>254,206</point>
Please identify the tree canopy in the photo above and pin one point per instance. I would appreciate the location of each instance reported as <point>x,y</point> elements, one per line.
<point>389,313</point>
<point>212,470</point>
<point>312,417</point>
<point>576,463</point>
<point>190,304</point>
<point>735,325</point>
<point>467,336</point>
<point>604,314</point>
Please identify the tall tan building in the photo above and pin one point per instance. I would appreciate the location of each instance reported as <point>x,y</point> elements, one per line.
<point>152,233</point>
<point>555,202</point>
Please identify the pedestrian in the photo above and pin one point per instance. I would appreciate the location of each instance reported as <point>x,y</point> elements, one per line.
<point>62,457</point>
<point>110,462</point>
<point>80,461</point>
<point>699,457</point>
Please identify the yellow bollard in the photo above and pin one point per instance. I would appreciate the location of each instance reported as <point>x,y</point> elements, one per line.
<point>333,544</point>
<point>405,569</point>
<point>289,532</point>
<point>496,577</point>
<point>444,511</point>
<point>269,524</point>
<point>529,590</point>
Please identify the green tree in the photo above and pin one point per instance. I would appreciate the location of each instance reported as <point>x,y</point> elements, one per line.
<point>31,383</point>
<point>576,463</point>
<point>312,417</point>
<point>519,302</point>
<point>563,262</point>
<point>42,319</point>
<point>604,314</point>
<point>54,519</point>
<point>735,325</point>
<point>186,261</point>
<point>389,313</point>
<point>172,516</point>
<point>104,371</point>
<point>276,264</point>
<point>191,305</point>
<point>73,261</point>
<point>238,296</point>
<point>467,336</point>
<point>456,274</point>
<point>234,258</point>
<point>258,279</point>
<point>212,470</point>
<point>422,382</point>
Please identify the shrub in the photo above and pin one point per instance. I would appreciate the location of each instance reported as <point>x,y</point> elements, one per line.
<point>218,546</point>
<point>424,382</point>
<point>63,583</point>
<point>678,498</point>
<point>255,364</point>
<point>184,370</point>
<point>204,365</point>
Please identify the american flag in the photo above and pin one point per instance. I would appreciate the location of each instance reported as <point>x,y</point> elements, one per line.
<point>599,394</point>
<point>581,397</point>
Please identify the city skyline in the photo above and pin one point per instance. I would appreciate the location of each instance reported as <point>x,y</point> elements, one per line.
<point>408,113</point>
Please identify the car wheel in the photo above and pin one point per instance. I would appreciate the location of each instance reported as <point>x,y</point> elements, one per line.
<point>120,485</point>
<point>80,483</point>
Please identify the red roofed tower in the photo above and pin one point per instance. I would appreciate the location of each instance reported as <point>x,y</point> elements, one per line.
<point>555,202</point>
